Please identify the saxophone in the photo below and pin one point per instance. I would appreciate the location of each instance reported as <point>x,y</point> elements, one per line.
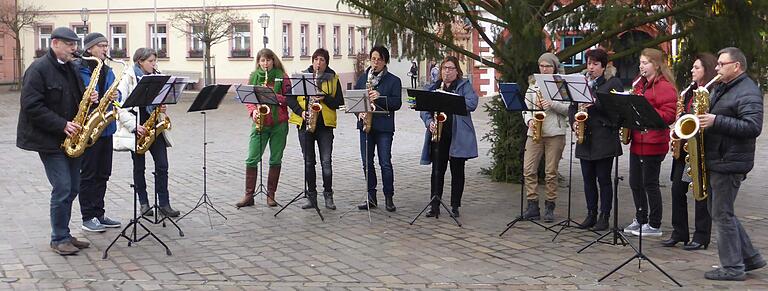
<point>368,116</point>
<point>313,112</point>
<point>538,118</point>
<point>438,119</point>
<point>687,127</point>
<point>154,127</point>
<point>75,145</point>
<point>625,133</point>
<point>262,109</point>
<point>100,118</point>
<point>581,117</point>
<point>676,142</point>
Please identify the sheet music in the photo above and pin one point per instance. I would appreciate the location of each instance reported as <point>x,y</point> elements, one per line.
<point>298,89</point>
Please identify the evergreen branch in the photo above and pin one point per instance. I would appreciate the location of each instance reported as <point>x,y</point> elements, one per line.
<point>564,10</point>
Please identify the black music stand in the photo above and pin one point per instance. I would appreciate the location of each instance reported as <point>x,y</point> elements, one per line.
<point>249,94</point>
<point>144,94</point>
<point>208,99</point>
<point>434,102</point>
<point>304,85</point>
<point>360,103</point>
<point>629,111</point>
<point>514,101</point>
<point>568,88</point>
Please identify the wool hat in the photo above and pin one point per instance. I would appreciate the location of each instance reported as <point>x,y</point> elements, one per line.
<point>92,39</point>
<point>550,58</point>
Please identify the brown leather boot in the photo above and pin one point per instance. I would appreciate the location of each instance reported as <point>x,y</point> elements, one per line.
<point>250,186</point>
<point>272,179</point>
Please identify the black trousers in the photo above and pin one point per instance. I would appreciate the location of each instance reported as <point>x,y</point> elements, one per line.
<point>598,173</point>
<point>703,222</point>
<point>644,182</point>
<point>439,166</point>
<point>94,174</point>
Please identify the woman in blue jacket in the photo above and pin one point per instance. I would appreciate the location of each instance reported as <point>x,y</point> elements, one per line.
<point>457,142</point>
<point>385,91</point>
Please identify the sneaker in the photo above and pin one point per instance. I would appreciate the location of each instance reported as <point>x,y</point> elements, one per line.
<point>721,274</point>
<point>648,231</point>
<point>93,225</point>
<point>109,222</point>
<point>632,227</point>
<point>64,249</point>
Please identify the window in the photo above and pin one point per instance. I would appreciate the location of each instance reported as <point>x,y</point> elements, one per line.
<point>196,44</point>
<point>303,39</point>
<point>287,52</point>
<point>321,36</point>
<point>81,31</point>
<point>363,40</point>
<point>160,37</point>
<point>241,40</point>
<point>336,41</point>
<point>44,37</point>
<point>577,59</point>
<point>118,41</point>
<point>351,40</point>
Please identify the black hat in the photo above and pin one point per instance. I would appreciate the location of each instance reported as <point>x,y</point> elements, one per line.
<point>64,33</point>
<point>92,39</point>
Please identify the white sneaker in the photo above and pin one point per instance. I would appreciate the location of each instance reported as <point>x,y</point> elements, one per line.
<point>632,227</point>
<point>648,231</point>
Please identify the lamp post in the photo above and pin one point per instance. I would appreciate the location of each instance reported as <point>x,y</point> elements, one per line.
<point>264,21</point>
<point>84,17</point>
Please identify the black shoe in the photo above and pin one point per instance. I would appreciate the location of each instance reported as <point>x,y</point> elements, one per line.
<point>755,266</point>
<point>589,221</point>
<point>549,211</point>
<point>671,242</point>
<point>695,246</point>
<point>455,212</point>
<point>311,201</point>
<point>433,212</point>
<point>602,222</point>
<point>365,205</point>
<point>168,211</point>
<point>328,198</point>
<point>721,274</point>
<point>390,205</point>
<point>145,210</point>
<point>532,213</point>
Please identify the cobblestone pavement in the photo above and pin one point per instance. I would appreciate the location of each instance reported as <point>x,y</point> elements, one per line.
<point>254,250</point>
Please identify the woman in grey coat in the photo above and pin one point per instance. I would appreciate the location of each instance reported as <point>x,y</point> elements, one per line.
<point>458,141</point>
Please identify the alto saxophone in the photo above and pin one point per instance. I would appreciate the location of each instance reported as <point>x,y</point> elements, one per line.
<point>154,127</point>
<point>262,109</point>
<point>538,118</point>
<point>100,118</point>
<point>368,116</point>
<point>438,119</point>
<point>687,127</point>
<point>625,132</point>
<point>581,117</point>
<point>75,145</point>
<point>313,112</point>
<point>676,142</point>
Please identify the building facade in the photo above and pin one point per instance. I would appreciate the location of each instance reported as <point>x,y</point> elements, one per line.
<point>295,29</point>
<point>7,47</point>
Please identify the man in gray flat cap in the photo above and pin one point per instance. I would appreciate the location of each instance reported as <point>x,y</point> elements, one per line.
<point>51,92</point>
<point>97,159</point>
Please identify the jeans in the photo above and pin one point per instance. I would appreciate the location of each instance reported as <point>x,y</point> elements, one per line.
<point>94,174</point>
<point>703,223</point>
<point>324,138</point>
<point>64,175</point>
<point>382,142</point>
<point>733,244</point>
<point>160,157</point>
<point>644,182</point>
<point>598,173</point>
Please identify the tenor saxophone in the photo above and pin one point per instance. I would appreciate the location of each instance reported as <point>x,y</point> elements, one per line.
<point>75,145</point>
<point>262,109</point>
<point>313,113</point>
<point>154,127</point>
<point>368,116</point>
<point>676,141</point>
<point>101,117</point>
<point>538,118</point>
<point>581,117</point>
<point>687,128</point>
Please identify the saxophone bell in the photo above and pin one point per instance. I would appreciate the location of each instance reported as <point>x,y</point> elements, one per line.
<point>438,119</point>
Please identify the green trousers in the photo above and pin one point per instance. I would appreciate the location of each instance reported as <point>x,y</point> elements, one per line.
<point>274,136</point>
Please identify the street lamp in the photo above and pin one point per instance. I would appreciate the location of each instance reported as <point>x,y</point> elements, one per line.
<point>264,21</point>
<point>84,16</point>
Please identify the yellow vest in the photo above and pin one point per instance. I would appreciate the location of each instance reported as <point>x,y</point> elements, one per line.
<point>329,115</point>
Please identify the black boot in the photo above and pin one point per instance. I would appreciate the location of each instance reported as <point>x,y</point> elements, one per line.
<point>372,203</point>
<point>328,197</point>
<point>311,201</point>
<point>602,222</point>
<point>434,210</point>
<point>532,213</point>
<point>589,221</point>
<point>549,211</point>
<point>389,203</point>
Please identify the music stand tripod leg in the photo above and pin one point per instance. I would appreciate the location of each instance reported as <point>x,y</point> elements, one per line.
<point>366,197</point>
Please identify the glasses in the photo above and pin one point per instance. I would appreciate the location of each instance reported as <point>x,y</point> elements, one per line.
<point>546,66</point>
<point>721,64</point>
<point>69,43</point>
<point>449,68</point>
<point>102,45</point>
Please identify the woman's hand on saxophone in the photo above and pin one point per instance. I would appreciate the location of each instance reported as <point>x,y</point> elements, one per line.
<point>545,104</point>
<point>141,130</point>
<point>433,126</point>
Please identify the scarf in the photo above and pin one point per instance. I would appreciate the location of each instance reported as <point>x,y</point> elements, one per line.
<point>375,78</point>
<point>274,76</point>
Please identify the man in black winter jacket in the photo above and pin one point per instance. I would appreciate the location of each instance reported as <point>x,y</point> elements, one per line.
<point>50,96</point>
<point>734,121</point>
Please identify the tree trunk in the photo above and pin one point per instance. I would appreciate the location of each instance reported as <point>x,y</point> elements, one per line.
<point>19,63</point>
<point>207,61</point>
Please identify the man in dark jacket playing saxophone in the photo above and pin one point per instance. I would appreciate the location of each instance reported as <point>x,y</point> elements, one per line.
<point>731,127</point>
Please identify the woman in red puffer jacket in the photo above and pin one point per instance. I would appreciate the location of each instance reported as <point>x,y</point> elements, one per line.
<point>649,147</point>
